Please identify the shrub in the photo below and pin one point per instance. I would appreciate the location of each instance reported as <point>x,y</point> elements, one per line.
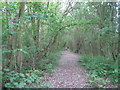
<point>30,79</point>
<point>100,67</point>
<point>47,64</point>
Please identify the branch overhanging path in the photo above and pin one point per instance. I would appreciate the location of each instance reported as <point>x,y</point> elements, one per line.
<point>68,74</point>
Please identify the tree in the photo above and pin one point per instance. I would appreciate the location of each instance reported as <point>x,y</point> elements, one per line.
<point>21,13</point>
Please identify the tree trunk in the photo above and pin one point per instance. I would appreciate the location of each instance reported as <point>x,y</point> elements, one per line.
<point>9,42</point>
<point>39,30</point>
<point>119,32</point>
<point>21,13</point>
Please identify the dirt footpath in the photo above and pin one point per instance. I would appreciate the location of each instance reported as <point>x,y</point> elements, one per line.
<point>69,73</point>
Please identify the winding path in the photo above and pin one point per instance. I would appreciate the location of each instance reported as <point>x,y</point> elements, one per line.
<point>68,74</point>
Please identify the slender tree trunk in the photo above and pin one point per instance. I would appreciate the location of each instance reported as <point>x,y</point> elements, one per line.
<point>21,13</point>
<point>9,41</point>
<point>39,30</point>
<point>119,31</point>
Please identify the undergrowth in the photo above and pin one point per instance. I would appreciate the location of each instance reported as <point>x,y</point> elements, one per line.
<point>30,78</point>
<point>103,72</point>
<point>47,64</point>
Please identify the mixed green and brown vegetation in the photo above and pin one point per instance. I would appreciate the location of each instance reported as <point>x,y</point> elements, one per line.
<point>34,33</point>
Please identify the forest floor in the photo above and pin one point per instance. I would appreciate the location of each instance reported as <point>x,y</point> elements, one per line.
<point>69,73</point>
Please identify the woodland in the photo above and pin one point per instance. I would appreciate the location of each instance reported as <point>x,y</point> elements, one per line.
<point>35,33</point>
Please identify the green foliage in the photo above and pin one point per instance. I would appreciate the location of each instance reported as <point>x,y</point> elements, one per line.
<point>88,28</point>
<point>4,50</point>
<point>1,75</point>
<point>47,64</point>
<point>30,79</point>
<point>100,69</point>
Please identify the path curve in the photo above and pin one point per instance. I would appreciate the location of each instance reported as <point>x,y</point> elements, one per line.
<point>69,73</point>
